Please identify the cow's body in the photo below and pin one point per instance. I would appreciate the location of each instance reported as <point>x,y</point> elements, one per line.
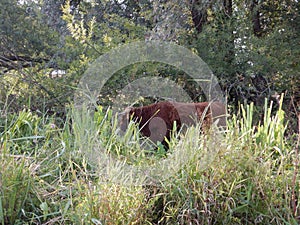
<point>156,121</point>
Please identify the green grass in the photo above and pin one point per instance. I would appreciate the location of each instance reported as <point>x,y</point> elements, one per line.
<point>84,172</point>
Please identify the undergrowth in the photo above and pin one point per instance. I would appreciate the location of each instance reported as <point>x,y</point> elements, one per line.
<point>85,172</point>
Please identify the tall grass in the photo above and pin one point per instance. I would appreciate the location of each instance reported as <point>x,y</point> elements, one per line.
<point>85,172</point>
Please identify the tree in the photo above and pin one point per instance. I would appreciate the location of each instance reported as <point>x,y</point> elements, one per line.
<point>252,46</point>
<point>31,54</point>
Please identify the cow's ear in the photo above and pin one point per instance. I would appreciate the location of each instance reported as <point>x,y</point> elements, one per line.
<point>128,109</point>
<point>127,112</point>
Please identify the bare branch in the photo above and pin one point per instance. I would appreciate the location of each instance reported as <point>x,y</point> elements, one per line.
<point>15,62</point>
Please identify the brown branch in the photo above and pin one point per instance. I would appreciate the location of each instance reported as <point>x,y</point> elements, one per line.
<point>15,62</point>
<point>35,82</point>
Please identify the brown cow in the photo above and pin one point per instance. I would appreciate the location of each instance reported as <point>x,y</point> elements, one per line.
<point>156,121</point>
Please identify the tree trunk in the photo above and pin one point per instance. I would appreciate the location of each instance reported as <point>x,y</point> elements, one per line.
<point>228,7</point>
<point>199,14</point>
<point>256,24</point>
<point>229,57</point>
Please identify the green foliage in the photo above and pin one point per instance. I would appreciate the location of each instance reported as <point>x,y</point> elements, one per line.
<point>33,60</point>
<point>103,204</point>
<point>243,179</point>
<point>16,184</point>
<point>249,66</point>
<point>23,33</point>
<point>68,35</point>
<point>51,173</point>
<point>271,133</point>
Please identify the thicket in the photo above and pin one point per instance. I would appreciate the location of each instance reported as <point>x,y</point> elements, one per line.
<point>52,175</point>
<point>252,47</point>
<point>46,175</point>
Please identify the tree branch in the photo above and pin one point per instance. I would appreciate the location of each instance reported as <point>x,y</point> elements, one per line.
<point>15,62</point>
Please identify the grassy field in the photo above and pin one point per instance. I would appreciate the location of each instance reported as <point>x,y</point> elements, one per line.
<point>84,172</point>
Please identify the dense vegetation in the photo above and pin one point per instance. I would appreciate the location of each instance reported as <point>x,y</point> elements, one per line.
<point>51,155</point>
